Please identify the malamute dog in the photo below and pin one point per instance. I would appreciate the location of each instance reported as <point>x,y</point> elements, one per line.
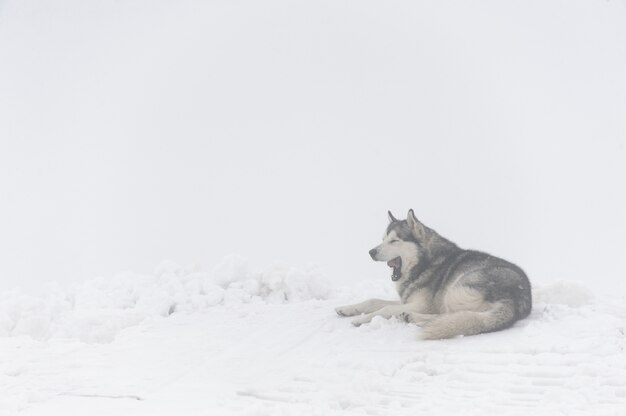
<point>446,290</point>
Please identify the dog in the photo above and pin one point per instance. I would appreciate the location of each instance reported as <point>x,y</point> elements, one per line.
<point>446,290</point>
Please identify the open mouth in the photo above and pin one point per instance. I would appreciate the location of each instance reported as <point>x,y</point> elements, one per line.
<point>396,264</point>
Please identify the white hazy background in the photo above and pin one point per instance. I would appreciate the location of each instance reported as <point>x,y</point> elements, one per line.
<point>136,131</point>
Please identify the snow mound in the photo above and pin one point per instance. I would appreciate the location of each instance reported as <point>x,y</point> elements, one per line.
<point>563,293</point>
<point>97,310</point>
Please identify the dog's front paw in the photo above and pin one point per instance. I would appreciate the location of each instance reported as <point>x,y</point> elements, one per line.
<point>406,317</point>
<point>348,310</point>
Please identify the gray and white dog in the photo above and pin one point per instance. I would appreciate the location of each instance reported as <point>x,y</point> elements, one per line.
<point>446,290</point>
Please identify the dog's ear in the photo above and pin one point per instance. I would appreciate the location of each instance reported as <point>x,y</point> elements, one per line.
<point>417,227</point>
<point>391,217</point>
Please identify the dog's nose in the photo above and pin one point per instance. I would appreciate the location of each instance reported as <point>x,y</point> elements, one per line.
<point>373,253</point>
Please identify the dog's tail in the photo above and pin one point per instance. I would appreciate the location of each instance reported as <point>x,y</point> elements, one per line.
<point>500,316</point>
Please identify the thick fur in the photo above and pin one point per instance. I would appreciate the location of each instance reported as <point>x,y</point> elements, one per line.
<point>446,290</point>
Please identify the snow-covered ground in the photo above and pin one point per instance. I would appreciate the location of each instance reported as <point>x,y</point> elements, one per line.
<point>234,341</point>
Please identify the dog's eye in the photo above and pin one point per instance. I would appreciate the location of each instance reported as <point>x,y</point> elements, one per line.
<point>393,241</point>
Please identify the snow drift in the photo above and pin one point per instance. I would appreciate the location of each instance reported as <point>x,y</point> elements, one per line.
<point>98,309</point>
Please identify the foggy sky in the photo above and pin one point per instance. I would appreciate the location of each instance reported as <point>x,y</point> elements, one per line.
<point>137,131</point>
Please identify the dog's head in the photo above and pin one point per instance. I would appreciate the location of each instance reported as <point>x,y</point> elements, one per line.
<point>401,245</point>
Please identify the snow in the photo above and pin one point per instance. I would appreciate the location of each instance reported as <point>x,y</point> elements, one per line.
<point>97,310</point>
<point>236,341</point>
